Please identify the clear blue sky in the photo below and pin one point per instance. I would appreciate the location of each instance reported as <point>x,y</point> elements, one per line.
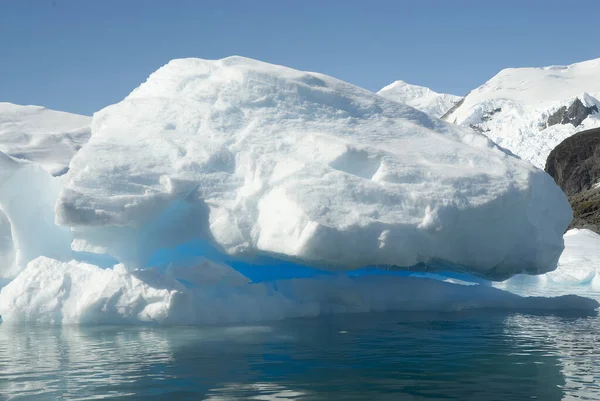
<point>81,55</point>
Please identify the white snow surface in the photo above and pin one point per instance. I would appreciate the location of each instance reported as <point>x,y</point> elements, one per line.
<point>578,270</point>
<point>513,107</point>
<point>420,97</point>
<point>47,137</point>
<point>258,158</point>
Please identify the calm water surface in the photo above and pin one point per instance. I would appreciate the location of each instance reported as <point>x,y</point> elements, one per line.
<point>378,356</point>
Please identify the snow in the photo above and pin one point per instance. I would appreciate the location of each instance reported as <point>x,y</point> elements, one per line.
<point>513,107</point>
<point>54,292</point>
<point>578,270</point>
<point>257,159</point>
<point>47,137</point>
<point>421,98</point>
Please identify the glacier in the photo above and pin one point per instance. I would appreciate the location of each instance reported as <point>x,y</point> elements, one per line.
<point>236,190</point>
<point>514,107</point>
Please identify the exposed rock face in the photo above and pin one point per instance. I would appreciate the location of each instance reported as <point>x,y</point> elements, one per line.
<point>586,210</point>
<point>575,166</point>
<point>573,115</point>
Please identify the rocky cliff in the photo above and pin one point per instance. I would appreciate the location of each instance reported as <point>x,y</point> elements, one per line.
<point>575,166</point>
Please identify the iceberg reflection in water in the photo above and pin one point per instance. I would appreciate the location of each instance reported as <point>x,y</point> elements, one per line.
<point>467,355</point>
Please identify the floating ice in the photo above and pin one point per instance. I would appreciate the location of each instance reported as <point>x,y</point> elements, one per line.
<point>578,269</point>
<point>222,191</point>
<point>47,137</point>
<point>27,229</point>
<point>257,158</point>
<point>54,292</point>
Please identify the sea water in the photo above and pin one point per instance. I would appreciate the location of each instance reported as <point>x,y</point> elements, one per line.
<point>478,355</point>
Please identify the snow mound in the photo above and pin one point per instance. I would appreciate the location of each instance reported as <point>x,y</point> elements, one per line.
<point>514,108</point>
<point>53,292</point>
<point>47,137</point>
<point>421,98</point>
<point>578,269</point>
<point>262,159</point>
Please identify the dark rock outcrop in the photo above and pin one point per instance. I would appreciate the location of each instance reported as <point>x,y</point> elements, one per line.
<point>575,166</point>
<point>586,210</point>
<point>575,114</point>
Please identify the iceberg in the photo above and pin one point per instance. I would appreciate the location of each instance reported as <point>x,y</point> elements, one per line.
<point>259,159</point>
<point>578,270</point>
<point>53,292</point>
<point>46,137</point>
<point>27,229</point>
<point>238,191</point>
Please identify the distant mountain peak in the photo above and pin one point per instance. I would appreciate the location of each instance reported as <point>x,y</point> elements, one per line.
<point>420,97</point>
<point>531,110</point>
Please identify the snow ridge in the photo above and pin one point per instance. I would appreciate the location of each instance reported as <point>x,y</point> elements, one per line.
<point>514,107</point>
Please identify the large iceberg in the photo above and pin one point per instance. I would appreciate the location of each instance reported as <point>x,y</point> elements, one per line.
<point>235,190</point>
<point>255,158</point>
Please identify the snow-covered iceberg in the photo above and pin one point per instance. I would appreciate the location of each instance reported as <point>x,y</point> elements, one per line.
<point>257,158</point>
<point>235,190</point>
<point>46,137</point>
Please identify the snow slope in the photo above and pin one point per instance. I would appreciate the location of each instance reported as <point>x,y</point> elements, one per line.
<point>578,270</point>
<point>47,137</point>
<point>514,106</point>
<point>421,98</point>
<point>259,158</point>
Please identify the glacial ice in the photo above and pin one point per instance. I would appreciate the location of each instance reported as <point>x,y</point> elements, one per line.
<point>238,191</point>
<point>27,229</point>
<point>53,292</point>
<point>578,270</point>
<point>262,159</point>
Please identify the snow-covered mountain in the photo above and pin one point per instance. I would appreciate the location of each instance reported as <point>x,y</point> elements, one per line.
<point>531,110</point>
<point>421,98</point>
<point>47,137</point>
